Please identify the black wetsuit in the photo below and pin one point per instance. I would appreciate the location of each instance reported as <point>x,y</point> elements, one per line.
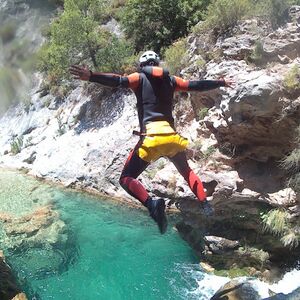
<point>154,89</point>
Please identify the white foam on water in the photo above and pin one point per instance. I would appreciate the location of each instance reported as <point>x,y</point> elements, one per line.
<point>209,284</point>
<point>288,283</point>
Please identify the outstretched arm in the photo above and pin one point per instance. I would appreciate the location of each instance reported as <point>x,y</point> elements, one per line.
<point>107,79</point>
<point>200,85</point>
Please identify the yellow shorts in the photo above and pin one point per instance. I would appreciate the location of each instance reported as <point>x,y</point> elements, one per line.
<point>161,144</point>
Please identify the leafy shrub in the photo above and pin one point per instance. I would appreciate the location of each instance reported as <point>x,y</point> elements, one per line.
<point>277,222</point>
<point>115,56</point>
<point>10,87</point>
<point>275,11</point>
<point>76,38</point>
<point>202,113</point>
<point>16,145</point>
<point>290,239</point>
<point>175,56</point>
<point>156,24</point>
<point>61,127</point>
<point>257,53</point>
<point>291,163</point>
<point>292,79</point>
<point>223,14</point>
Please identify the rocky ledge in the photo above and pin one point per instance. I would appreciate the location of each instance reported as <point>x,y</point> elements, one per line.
<point>238,137</point>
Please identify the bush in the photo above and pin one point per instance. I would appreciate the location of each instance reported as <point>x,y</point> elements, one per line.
<point>275,11</point>
<point>223,14</point>
<point>291,163</point>
<point>16,145</point>
<point>156,24</point>
<point>277,222</point>
<point>116,56</point>
<point>175,57</point>
<point>257,53</point>
<point>292,79</point>
<point>76,38</point>
<point>202,113</point>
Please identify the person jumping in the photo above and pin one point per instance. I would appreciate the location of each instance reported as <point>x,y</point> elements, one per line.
<point>154,88</point>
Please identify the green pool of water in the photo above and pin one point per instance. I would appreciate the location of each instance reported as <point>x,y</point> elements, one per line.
<point>106,250</point>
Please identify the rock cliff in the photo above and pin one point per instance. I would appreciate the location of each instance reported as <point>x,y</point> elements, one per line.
<point>238,137</point>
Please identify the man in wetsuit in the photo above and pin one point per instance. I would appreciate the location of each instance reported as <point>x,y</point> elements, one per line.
<point>154,89</point>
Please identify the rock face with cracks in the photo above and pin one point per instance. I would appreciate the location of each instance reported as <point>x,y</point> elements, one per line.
<point>238,137</point>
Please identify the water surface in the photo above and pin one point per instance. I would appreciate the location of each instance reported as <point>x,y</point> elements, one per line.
<point>104,251</point>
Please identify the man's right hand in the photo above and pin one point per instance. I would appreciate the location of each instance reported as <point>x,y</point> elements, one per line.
<point>80,72</point>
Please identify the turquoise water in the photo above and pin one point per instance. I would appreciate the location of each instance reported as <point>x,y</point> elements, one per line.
<point>105,250</point>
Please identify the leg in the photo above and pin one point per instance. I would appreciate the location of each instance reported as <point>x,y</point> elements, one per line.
<point>195,184</point>
<point>134,166</point>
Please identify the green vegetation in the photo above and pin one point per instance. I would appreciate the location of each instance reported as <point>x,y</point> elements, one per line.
<point>175,56</point>
<point>77,38</point>
<point>209,152</point>
<point>277,222</point>
<point>224,14</point>
<point>202,113</point>
<point>292,79</point>
<point>115,56</point>
<point>291,163</point>
<point>156,24</point>
<point>257,54</point>
<point>16,145</point>
<point>274,11</point>
<point>61,127</point>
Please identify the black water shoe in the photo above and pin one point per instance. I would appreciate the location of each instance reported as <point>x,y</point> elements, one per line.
<point>156,209</point>
<point>208,210</point>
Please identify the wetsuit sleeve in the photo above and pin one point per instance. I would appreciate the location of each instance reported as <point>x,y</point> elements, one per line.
<point>115,80</point>
<point>196,85</point>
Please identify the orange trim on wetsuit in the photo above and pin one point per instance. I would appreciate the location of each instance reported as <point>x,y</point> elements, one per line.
<point>154,89</point>
<point>181,84</point>
<point>134,81</point>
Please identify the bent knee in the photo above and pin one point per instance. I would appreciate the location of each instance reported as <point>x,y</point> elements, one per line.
<point>124,181</point>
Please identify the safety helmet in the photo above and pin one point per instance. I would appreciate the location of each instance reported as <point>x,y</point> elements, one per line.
<point>149,56</point>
